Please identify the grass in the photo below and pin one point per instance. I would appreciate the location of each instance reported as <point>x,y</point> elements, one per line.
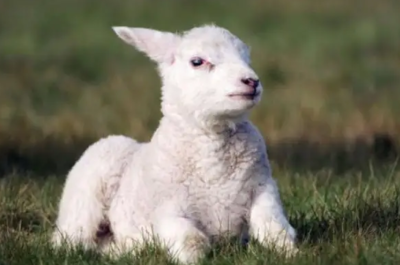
<point>331,73</point>
<point>352,219</point>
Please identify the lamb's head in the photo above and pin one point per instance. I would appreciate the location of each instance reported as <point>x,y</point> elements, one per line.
<point>205,71</point>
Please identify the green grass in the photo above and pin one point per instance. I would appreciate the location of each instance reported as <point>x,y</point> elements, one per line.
<point>331,73</point>
<point>331,70</point>
<point>351,219</point>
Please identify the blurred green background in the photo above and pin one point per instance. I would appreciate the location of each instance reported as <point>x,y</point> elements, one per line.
<point>330,69</point>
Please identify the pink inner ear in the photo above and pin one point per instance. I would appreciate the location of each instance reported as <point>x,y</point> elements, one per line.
<point>172,59</point>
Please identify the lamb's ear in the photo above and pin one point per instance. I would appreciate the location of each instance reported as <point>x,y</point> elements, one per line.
<point>158,45</point>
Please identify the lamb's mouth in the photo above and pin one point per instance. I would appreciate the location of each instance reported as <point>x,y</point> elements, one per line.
<point>246,96</point>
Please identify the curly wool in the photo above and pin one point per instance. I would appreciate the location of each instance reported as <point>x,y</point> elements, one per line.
<point>204,174</point>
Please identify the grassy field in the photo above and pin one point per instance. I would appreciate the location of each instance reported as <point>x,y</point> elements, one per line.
<point>331,73</point>
<point>352,219</point>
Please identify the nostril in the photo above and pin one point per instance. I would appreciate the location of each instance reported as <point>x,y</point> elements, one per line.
<point>255,83</point>
<point>250,82</point>
<point>245,81</point>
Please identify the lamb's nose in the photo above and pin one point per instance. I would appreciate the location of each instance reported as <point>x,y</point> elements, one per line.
<point>251,82</point>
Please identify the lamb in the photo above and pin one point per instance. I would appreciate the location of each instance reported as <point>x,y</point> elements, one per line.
<point>203,175</point>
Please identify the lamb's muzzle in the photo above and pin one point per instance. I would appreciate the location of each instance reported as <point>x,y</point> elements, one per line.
<point>251,82</point>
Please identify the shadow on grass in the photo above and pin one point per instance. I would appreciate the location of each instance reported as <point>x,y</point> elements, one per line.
<point>53,156</point>
<point>48,156</point>
<point>306,155</point>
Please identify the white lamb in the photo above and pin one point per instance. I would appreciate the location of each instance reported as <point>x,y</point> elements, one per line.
<point>205,173</point>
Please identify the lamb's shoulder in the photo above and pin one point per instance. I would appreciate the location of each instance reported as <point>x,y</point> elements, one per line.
<point>250,139</point>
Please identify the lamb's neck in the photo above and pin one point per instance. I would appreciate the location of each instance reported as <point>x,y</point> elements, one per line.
<point>197,123</point>
<point>177,127</point>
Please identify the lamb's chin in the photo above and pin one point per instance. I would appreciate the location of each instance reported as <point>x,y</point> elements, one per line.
<point>241,106</point>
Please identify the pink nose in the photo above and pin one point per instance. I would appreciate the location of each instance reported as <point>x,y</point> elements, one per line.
<point>251,82</point>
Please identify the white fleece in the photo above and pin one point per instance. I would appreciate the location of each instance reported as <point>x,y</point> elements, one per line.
<point>204,174</point>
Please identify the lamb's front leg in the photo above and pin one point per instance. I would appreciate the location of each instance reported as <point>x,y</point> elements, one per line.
<point>268,223</point>
<point>183,240</point>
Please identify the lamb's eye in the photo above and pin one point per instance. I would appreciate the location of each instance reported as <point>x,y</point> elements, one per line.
<point>196,62</point>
